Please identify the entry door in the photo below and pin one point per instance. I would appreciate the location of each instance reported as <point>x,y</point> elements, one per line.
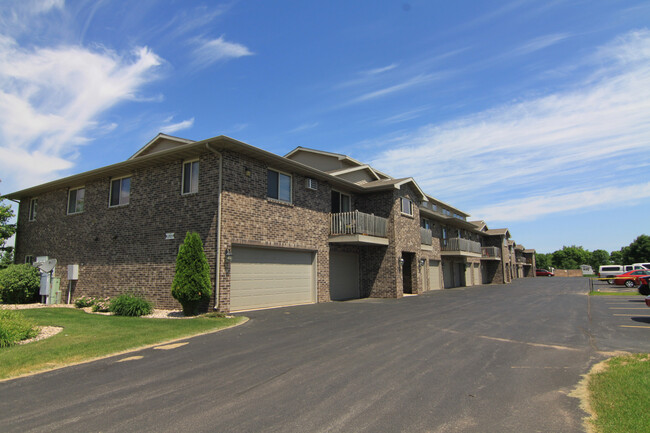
<point>434,275</point>
<point>344,276</point>
<point>477,274</point>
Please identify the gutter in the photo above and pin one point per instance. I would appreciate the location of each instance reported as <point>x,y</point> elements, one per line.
<point>218,237</point>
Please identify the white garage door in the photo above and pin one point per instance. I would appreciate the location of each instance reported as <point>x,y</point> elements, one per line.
<point>344,276</point>
<point>477,274</point>
<point>434,275</point>
<point>264,278</point>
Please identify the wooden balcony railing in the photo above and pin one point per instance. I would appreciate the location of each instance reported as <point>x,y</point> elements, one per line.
<point>491,252</point>
<point>460,244</point>
<point>357,223</point>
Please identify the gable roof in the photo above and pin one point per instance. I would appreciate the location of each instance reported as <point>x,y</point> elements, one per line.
<point>498,232</point>
<point>157,142</point>
<point>366,168</point>
<point>394,184</point>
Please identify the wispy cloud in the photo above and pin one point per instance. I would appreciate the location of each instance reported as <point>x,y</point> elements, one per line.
<point>565,138</point>
<point>530,208</point>
<point>539,43</point>
<point>411,82</point>
<point>216,50</point>
<point>304,127</point>
<point>50,97</point>
<point>381,70</point>
<point>173,127</point>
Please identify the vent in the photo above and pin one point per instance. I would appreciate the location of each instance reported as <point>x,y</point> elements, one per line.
<point>311,183</point>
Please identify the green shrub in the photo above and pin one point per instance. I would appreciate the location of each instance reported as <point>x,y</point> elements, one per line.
<point>14,328</point>
<point>191,285</point>
<point>84,302</point>
<point>129,304</point>
<point>19,284</point>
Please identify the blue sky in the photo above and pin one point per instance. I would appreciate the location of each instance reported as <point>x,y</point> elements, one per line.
<point>531,115</point>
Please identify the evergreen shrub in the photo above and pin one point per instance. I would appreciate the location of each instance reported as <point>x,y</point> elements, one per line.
<point>191,285</point>
<point>19,284</point>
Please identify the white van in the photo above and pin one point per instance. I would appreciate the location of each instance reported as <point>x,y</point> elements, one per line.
<point>641,266</point>
<point>611,271</point>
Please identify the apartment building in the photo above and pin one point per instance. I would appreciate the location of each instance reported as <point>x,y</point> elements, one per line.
<point>310,226</point>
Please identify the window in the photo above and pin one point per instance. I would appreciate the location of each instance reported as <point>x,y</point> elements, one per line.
<point>407,206</point>
<point>32,209</point>
<point>279,186</point>
<point>190,177</point>
<point>76,200</point>
<point>340,202</point>
<point>446,212</point>
<point>120,191</point>
<point>29,259</point>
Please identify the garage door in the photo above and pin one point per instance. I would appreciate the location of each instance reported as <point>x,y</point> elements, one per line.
<point>344,276</point>
<point>477,274</point>
<point>264,278</point>
<point>434,275</point>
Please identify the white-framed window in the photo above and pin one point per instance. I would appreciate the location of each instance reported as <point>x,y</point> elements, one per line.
<point>340,202</point>
<point>76,200</point>
<point>406,206</point>
<point>29,259</point>
<point>190,177</point>
<point>33,204</point>
<point>278,185</point>
<point>120,191</point>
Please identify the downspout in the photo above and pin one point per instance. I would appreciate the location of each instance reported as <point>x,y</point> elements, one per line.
<point>217,266</point>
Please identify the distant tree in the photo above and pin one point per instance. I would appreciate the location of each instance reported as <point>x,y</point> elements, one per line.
<point>570,257</point>
<point>191,285</point>
<point>543,261</point>
<point>638,251</point>
<point>616,258</point>
<point>598,259</point>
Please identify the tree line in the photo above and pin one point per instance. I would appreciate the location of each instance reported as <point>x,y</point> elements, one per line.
<point>572,257</point>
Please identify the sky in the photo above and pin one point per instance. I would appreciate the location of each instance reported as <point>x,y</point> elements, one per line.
<point>530,115</point>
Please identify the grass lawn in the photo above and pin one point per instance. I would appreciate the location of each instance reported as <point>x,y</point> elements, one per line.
<point>88,336</point>
<point>595,293</point>
<point>619,395</point>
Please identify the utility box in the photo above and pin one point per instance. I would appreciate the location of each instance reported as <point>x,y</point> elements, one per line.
<point>73,272</point>
<point>55,292</point>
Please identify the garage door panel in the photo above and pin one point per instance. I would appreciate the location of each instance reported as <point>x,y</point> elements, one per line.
<point>263,278</point>
<point>344,276</point>
<point>434,275</point>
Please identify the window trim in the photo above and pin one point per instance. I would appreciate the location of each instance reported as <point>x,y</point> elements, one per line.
<point>29,262</point>
<point>401,206</point>
<point>290,201</point>
<point>32,211</point>
<point>110,191</point>
<point>190,161</point>
<point>67,204</point>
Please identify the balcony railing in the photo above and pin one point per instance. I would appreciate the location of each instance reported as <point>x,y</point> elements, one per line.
<point>460,244</point>
<point>357,223</point>
<point>491,252</point>
<point>426,237</point>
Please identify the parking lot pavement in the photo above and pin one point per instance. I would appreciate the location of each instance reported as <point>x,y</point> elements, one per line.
<point>620,322</point>
<point>499,358</point>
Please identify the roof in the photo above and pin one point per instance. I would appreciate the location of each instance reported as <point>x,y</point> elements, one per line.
<point>156,140</point>
<point>530,251</point>
<point>497,232</point>
<point>480,224</point>
<point>338,156</point>
<point>189,150</point>
<point>394,183</point>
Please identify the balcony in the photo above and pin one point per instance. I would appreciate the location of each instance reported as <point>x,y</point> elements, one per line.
<point>461,247</point>
<point>358,228</point>
<point>490,253</point>
<point>426,237</point>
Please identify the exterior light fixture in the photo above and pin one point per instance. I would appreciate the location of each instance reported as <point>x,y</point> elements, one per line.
<point>247,172</point>
<point>422,262</point>
<point>228,256</point>
<point>400,262</point>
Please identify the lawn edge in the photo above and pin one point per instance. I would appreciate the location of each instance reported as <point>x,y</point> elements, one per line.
<point>135,349</point>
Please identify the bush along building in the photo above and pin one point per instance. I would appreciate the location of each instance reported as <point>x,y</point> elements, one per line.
<point>308,227</point>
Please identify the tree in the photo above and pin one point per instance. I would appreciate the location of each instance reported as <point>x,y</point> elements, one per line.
<point>191,285</point>
<point>598,259</point>
<point>638,251</point>
<point>7,258</point>
<point>570,257</point>
<point>543,261</point>
<point>616,258</point>
<point>6,230</point>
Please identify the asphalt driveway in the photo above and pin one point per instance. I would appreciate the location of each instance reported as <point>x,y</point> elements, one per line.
<point>480,359</point>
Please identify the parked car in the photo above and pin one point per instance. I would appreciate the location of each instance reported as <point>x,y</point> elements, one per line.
<point>631,279</point>
<point>644,286</point>
<point>543,273</point>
